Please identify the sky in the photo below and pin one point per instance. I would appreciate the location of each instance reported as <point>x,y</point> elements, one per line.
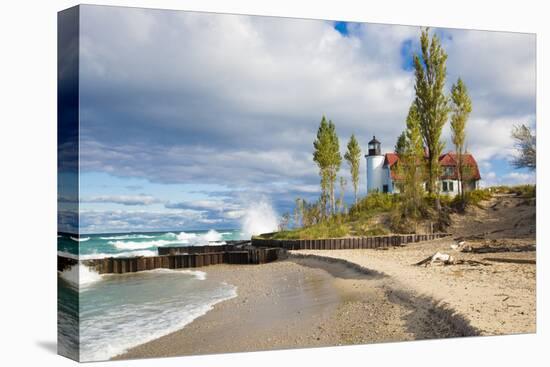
<point>189,119</point>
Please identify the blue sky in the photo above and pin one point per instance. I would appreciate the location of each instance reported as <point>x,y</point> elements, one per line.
<point>188,119</point>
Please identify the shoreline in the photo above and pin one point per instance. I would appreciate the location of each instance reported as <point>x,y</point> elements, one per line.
<point>305,302</point>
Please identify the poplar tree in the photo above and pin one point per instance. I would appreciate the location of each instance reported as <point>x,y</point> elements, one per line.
<point>461,108</point>
<point>335,161</point>
<point>353,157</point>
<point>400,144</point>
<point>412,165</point>
<point>321,156</point>
<point>431,102</point>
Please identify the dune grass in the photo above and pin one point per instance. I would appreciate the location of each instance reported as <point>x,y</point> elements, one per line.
<point>375,214</point>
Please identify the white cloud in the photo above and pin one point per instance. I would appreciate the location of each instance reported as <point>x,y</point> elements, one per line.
<point>491,138</point>
<point>520,177</point>
<point>499,68</point>
<point>510,179</point>
<point>181,97</point>
<point>122,199</point>
<point>95,221</point>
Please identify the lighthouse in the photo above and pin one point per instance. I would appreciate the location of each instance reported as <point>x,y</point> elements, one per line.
<point>375,167</point>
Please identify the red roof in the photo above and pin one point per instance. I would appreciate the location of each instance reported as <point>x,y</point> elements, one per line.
<point>445,160</point>
<point>391,159</point>
<point>469,162</point>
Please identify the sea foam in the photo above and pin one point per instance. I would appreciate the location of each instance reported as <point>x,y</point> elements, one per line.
<point>80,276</point>
<point>127,237</point>
<point>183,238</point>
<point>259,218</point>
<point>83,239</point>
<point>139,245</point>
<point>112,327</point>
<point>101,255</point>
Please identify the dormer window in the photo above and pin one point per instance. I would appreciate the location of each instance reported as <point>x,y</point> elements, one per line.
<point>448,171</point>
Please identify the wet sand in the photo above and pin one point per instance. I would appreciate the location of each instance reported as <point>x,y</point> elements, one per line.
<point>307,302</point>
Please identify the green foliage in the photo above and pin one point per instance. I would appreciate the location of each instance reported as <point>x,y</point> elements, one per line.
<point>471,198</point>
<point>312,213</point>
<point>412,168</point>
<point>325,229</point>
<point>375,202</point>
<point>356,222</point>
<point>446,201</point>
<point>400,144</point>
<point>526,145</point>
<point>353,157</point>
<point>335,162</point>
<point>321,156</point>
<point>524,191</point>
<point>461,107</point>
<point>431,101</point>
<point>326,154</point>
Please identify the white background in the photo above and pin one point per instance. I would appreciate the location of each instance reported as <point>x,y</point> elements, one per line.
<point>28,181</point>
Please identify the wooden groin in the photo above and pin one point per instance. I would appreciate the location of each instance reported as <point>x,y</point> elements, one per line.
<point>65,262</point>
<point>176,250</point>
<point>237,252</point>
<point>180,257</point>
<point>347,243</point>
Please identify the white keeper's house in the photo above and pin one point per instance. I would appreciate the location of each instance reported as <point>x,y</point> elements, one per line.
<point>382,171</point>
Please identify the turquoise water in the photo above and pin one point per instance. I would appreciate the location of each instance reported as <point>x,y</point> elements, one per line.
<point>138,244</point>
<point>100,316</point>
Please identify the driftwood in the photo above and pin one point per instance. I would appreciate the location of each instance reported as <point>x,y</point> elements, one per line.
<point>446,259</point>
<point>513,261</point>
<point>438,257</point>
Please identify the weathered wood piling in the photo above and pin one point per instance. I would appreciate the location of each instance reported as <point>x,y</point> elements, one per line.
<point>236,252</point>
<point>178,257</point>
<point>347,243</point>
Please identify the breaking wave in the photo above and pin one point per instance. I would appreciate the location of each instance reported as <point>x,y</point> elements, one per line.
<point>259,218</point>
<point>105,255</point>
<point>183,238</point>
<point>80,276</point>
<point>127,237</point>
<point>111,326</point>
<point>83,239</point>
<point>139,245</point>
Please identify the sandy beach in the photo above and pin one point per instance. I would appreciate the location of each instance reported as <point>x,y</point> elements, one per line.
<point>321,298</point>
<point>305,303</point>
<point>496,299</point>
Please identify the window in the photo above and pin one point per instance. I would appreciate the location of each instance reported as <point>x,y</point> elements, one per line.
<point>445,188</point>
<point>451,186</point>
<point>448,171</point>
<point>385,189</point>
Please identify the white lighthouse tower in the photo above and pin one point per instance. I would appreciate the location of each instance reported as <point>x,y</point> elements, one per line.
<point>375,167</point>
